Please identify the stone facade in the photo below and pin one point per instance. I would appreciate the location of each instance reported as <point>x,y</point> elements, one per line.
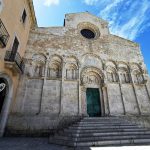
<point>61,64</point>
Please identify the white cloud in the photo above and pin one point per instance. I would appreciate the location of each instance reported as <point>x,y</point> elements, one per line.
<point>127,18</point>
<point>51,2</point>
<point>90,2</point>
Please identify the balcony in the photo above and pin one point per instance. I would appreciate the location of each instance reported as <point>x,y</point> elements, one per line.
<point>14,62</point>
<point>4,36</point>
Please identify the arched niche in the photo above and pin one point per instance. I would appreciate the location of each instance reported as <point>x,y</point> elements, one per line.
<point>54,67</point>
<point>112,75</point>
<point>137,75</point>
<point>111,71</point>
<point>123,71</point>
<point>38,63</point>
<point>71,68</point>
<point>71,71</point>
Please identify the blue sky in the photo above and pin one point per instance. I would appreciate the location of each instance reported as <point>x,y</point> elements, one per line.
<point>127,18</point>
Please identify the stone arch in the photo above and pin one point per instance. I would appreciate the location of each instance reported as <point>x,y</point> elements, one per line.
<point>90,59</point>
<point>123,71</point>
<point>136,72</point>
<point>110,63</point>
<point>111,71</point>
<point>71,68</point>
<point>72,59</point>
<point>39,61</point>
<point>56,56</point>
<point>135,66</point>
<point>54,69</point>
<point>92,76</point>
<point>7,102</point>
<point>71,71</point>
<point>122,64</point>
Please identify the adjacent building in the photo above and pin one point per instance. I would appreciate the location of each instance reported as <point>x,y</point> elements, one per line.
<point>16,19</point>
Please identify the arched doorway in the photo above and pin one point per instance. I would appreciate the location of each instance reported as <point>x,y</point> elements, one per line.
<point>6,91</point>
<point>2,93</point>
<point>92,96</point>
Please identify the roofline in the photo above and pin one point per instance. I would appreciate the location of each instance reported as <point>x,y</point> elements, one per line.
<point>89,14</point>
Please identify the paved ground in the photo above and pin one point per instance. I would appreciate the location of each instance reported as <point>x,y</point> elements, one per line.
<point>42,144</point>
<point>28,144</point>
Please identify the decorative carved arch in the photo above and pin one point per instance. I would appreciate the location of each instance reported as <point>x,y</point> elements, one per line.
<point>122,64</point>
<point>91,75</point>
<point>38,65</point>
<point>39,57</point>
<point>137,74</point>
<point>111,71</point>
<point>74,59</point>
<point>111,63</point>
<point>54,66</point>
<point>135,66</point>
<point>57,56</point>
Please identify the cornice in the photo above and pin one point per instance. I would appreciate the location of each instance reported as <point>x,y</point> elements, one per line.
<point>33,17</point>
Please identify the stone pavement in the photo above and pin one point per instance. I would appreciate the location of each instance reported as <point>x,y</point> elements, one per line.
<point>22,143</point>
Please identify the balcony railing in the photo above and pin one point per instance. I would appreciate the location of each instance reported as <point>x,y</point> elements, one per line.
<point>4,35</point>
<point>15,58</point>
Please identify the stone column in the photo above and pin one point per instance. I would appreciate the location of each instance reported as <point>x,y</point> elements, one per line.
<point>61,89</point>
<point>83,101</point>
<point>106,102</point>
<point>145,80</point>
<point>79,92</point>
<point>122,98</point>
<point>135,94</point>
<point>44,82</point>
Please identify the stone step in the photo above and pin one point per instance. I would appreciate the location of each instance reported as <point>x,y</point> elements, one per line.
<point>103,119</point>
<point>105,122</point>
<point>104,134</point>
<point>120,142</point>
<point>102,127</point>
<point>104,130</point>
<point>115,142</point>
<point>101,124</point>
<point>101,138</point>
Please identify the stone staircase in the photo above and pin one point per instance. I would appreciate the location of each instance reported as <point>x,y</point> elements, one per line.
<point>104,131</point>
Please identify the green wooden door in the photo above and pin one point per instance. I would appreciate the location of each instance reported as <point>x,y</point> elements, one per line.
<point>93,102</point>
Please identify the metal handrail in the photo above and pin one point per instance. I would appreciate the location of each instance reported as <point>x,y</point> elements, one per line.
<point>4,35</point>
<point>11,57</point>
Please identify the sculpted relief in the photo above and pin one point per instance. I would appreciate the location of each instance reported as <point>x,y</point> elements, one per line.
<point>91,79</point>
<point>91,76</point>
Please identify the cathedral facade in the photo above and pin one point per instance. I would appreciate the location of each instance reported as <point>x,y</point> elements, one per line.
<point>79,69</point>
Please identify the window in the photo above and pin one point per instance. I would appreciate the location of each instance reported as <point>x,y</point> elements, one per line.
<point>24,15</point>
<point>14,48</point>
<point>88,33</point>
<point>4,35</point>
